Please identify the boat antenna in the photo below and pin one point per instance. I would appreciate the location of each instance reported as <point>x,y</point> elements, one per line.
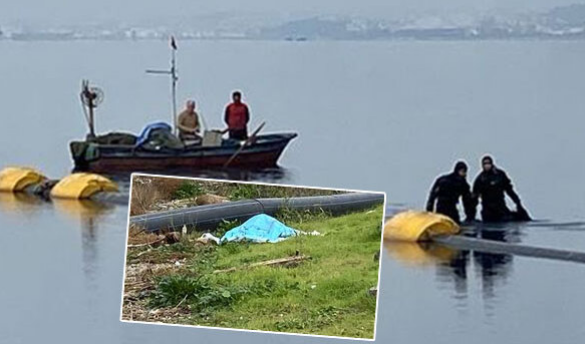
<point>172,72</point>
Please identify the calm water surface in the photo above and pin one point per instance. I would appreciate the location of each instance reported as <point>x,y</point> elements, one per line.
<point>385,116</point>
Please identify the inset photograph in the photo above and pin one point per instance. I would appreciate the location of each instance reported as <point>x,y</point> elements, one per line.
<point>249,256</point>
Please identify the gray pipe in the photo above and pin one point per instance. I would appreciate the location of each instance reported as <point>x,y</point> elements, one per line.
<point>490,246</point>
<point>207,217</point>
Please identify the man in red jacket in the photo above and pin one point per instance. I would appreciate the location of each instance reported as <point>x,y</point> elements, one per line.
<point>237,116</point>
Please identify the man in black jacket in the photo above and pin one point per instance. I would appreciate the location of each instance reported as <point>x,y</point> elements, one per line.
<point>491,185</point>
<point>446,192</point>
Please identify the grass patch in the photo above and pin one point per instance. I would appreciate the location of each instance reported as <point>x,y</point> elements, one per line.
<point>199,292</point>
<point>240,191</point>
<point>225,226</point>
<point>326,295</point>
<point>150,191</point>
<point>289,215</point>
<point>146,191</point>
<point>188,189</point>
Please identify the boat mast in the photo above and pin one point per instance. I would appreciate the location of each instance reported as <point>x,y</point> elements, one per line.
<point>172,72</point>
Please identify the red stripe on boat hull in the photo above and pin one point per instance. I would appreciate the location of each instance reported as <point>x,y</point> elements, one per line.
<point>128,164</point>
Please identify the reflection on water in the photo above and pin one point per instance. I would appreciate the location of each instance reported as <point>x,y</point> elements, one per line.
<point>493,268</point>
<point>275,174</point>
<point>266,174</point>
<point>89,214</point>
<point>419,254</point>
<point>18,203</point>
<point>91,217</point>
<point>455,271</point>
<point>84,210</point>
<point>453,265</point>
<point>472,296</point>
<point>269,175</point>
<point>66,256</point>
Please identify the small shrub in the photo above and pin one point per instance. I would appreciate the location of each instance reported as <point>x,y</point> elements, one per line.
<point>289,215</point>
<point>202,294</point>
<point>143,198</point>
<point>146,191</point>
<point>172,289</point>
<point>244,191</point>
<point>233,247</point>
<point>313,320</point>
<point>225,226</point>
<point>188,189</point>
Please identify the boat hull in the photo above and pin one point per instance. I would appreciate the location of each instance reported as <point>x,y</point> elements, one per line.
<point>264,153</point>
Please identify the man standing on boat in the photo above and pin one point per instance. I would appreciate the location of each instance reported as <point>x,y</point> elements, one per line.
<point>491,185</point>
<point>188,123</point>
<point>237,116</point>
<point>446,192</point>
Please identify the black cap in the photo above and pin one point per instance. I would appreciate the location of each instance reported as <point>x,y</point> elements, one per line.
<point>460,165</point>
<point>487,158</point>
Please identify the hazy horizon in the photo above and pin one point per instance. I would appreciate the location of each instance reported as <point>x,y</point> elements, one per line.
<point>72,12</point>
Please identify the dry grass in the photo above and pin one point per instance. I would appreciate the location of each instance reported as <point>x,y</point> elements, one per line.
<point>146,191</point>
<point>138,236</point>
<point>235,191</point>
<point>146,265</point>
<point>159,193</point>
<point>140,281</point>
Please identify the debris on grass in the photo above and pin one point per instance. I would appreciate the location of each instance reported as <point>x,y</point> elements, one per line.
<point>286,262</point>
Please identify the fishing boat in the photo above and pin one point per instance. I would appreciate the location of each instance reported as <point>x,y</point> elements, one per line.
<point>158,148</point>
<point>91,155</point>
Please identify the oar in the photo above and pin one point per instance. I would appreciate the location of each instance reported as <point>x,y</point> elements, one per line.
<point>248,141</point>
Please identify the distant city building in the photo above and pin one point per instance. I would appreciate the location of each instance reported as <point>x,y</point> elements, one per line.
<point>564,22</point>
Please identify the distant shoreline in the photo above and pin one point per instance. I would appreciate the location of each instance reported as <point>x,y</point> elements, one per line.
<point>299,41</point>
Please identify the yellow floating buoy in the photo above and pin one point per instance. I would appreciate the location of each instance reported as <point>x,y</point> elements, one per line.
<point>418,226</point>
<point>82,185</point>
<point>16,179</point>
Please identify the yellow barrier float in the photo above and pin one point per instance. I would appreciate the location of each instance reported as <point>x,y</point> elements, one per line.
<point>415,226</point>
<point>16,179</point>
<point>82,186</point>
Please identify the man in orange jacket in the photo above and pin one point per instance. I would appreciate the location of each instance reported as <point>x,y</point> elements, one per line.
<point>237,116</point>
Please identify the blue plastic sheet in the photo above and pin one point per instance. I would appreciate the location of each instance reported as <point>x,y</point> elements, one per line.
<point>145,134</point>
<point>260,228</point>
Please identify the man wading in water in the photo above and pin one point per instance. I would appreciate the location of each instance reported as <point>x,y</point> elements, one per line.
<point>491,185</point>
<point>446,192</point>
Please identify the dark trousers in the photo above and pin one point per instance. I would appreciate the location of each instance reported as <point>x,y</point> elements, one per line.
<point>238,134</point>
<point>496,214</point>
<point>449,210</point>
<point>504,215</point>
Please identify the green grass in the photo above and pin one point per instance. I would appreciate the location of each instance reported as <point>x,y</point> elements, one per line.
<point>240,191</point>
<point>188,189</point>
<point>327,295</point>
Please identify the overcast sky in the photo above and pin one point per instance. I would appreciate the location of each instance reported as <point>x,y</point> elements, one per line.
<point>77,11</point>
